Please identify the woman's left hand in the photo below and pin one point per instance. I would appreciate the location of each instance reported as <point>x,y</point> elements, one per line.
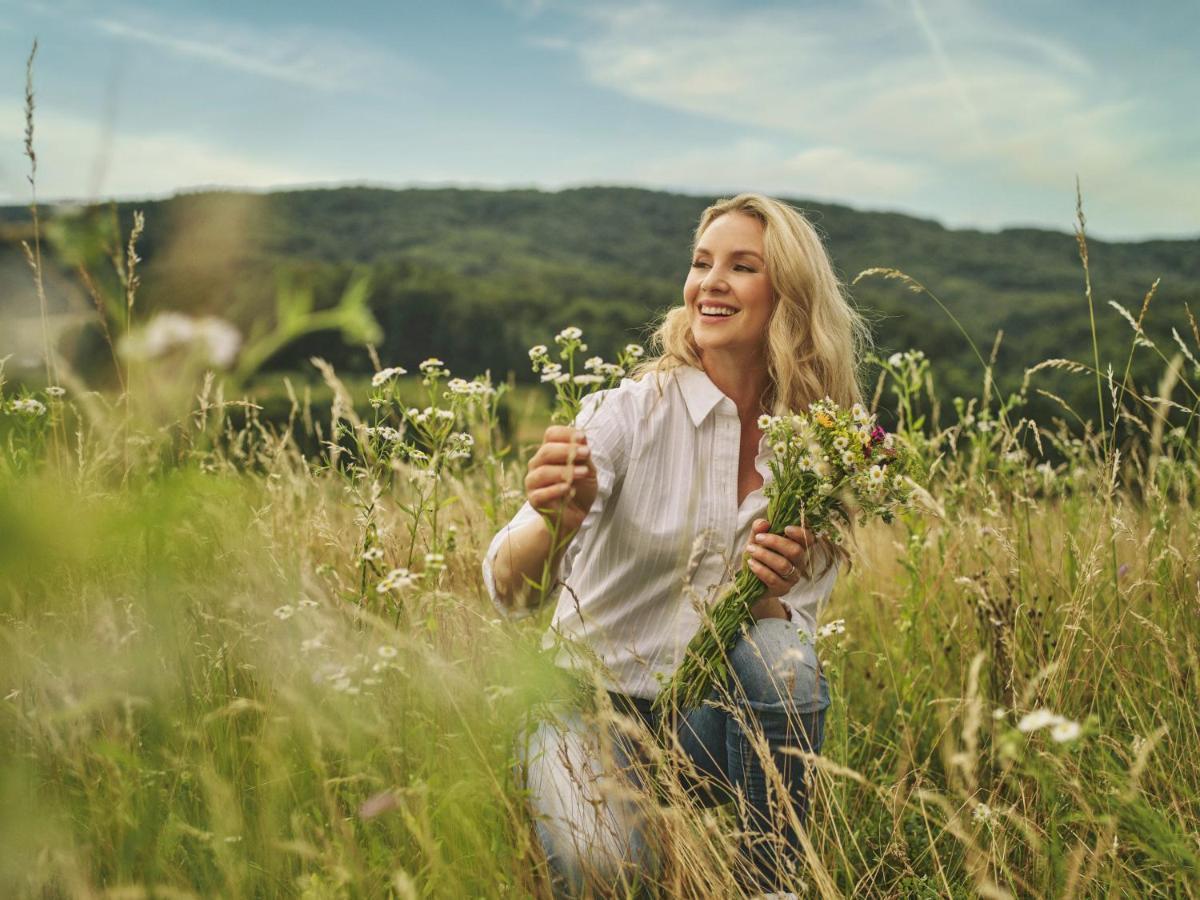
<point>779,561</point>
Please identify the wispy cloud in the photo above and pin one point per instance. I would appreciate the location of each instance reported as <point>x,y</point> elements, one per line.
<point>885,91</point>
<point>318,58</point>
<point>818,173</point>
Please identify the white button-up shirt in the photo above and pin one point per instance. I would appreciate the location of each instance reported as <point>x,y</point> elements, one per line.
<point>665,534</point>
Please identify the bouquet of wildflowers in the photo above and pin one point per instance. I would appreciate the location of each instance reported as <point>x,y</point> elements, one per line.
<point>828,465</point>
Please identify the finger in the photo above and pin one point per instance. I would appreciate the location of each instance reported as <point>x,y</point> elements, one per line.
<point>802,536</point>
<point>546,475</point>
<point>548,499</point>
<point>777,563</point>
<point>759,526</point>
<point>775,584</point>
<point>784,546</point>
<point>564,434</point>
<point>560,452</point>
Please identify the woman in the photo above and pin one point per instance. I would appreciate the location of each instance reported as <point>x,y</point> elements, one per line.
<point>657,491</point>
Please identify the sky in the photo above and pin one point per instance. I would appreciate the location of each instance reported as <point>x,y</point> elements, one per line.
<point>974,114</point>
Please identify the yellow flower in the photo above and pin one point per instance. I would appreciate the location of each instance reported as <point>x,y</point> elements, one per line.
<point>823,419</point>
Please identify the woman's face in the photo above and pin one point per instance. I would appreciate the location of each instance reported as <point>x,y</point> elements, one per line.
<point>727,293</point>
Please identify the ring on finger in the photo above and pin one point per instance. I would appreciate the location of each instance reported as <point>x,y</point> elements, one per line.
<point>790,572</point>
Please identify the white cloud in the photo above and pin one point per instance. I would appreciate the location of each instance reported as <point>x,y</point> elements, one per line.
<point>320,58</point>
<point>145,164</point>
<point>820,173</point>
<point>890,92</point>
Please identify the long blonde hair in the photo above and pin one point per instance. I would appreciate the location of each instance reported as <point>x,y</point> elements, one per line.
<point>816,340</point>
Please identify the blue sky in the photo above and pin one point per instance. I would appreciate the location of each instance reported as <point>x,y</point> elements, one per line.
<point>974,114</point>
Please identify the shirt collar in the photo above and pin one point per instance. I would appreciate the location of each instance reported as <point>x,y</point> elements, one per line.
<point>700,394</point>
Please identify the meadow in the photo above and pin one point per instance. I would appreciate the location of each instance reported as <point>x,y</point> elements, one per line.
<point>252,655</point>
<point>245,657</point>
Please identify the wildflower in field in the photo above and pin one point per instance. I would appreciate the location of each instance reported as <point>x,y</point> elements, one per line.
<point>1062,729</point>
<point>308,604</point>
<point>383,376</point>
<point>1065,731</point>
<point>982,813</point>
<point>570,385</point>
<point>285,612</point>
<point>837,626</point>
<point>814,486</point>
<point>396,580</point>
<point>999,713</point>
<point>461,388</point>
<point>458,445</point>
<point>372,554</point>
<point>385,433</point>
<point>29,407</point>
<point>55,391</point>
<point>386,651</point>
<point>435,562</point>
<point>214,339</point>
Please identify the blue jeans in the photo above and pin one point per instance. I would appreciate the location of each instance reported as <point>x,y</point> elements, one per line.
<point>589,785</point>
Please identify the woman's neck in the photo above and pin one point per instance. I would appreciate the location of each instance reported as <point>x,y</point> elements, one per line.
<point>739,380</point>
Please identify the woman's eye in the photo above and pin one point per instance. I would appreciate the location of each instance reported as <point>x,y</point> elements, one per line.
<point>698,264</point>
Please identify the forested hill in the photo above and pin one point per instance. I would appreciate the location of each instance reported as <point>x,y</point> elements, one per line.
<point>477,276</point>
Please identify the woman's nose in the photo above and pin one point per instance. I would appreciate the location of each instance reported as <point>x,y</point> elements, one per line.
<point>713,280</point>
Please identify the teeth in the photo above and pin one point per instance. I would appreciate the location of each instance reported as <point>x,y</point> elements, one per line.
<point>717,311</point>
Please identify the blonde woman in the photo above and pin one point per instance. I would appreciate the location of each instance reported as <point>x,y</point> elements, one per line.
<point>660,487</point>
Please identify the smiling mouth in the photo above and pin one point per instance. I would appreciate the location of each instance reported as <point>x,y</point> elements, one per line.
<point>713,312</point>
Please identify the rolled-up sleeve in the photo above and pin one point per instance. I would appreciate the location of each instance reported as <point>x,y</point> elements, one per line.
<point>603,418</point>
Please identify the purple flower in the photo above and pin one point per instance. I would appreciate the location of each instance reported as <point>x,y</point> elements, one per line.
<point>878,434</point>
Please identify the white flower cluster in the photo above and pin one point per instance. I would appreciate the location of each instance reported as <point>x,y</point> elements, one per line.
<point>911,357</point>
<point>55,391</point>
<point>28,407</point>
<point>396,580</point>
<point>601,370</point>
<point>1061,728</point>
<point>372,554</point>
<point>433,368</point>
<point>435,562</point>
<point>570,333</point>
<point>458,445</point>
<point>217,340</point>
<point>837,626</point>
<point>385,433</point>
<point>383,376</point>
<point>982,813</point>
<point>429,414</point>
<point>635,350</point>
<point>460,387</point>
<point>552,372</point>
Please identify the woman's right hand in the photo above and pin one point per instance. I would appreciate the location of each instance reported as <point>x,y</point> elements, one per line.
<point>561,481</point>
